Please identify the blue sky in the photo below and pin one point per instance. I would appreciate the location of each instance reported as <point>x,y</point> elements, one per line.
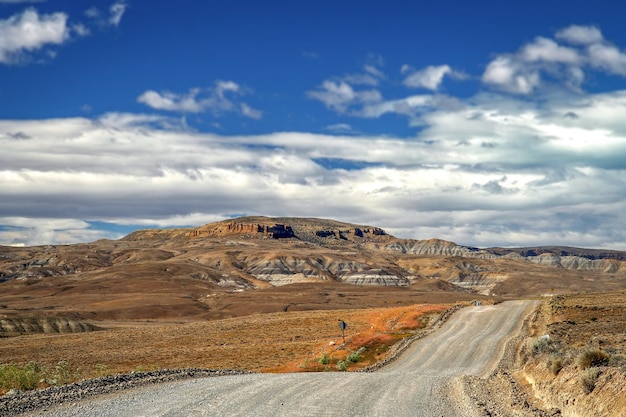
<point>499,124</point>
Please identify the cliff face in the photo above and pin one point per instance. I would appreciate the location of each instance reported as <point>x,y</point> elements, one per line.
<point>251,230</point>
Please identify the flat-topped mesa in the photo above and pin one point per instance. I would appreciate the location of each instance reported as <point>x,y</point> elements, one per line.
<point>276,231</point>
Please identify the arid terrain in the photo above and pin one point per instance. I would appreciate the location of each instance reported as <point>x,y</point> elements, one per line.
<point>260,265</point>
<point>266,294</point>
<point>575,357</point>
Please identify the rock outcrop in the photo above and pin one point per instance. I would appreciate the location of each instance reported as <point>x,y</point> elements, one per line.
<point>16,326</point>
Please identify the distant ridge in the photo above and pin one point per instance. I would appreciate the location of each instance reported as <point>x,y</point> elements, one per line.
<point>562,251</point>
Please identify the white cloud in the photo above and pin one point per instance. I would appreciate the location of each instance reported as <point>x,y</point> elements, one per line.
<point>81,30</point>
<point>492,170</point>
<point>250,112</point>
<point>608,58</point>
<point>172,102</point>
<point>28,32</point>
<point>106,19</point>
<point>583,35</point>
<point>343,128</point>
<point>219,99</point>
<point>547,50</point>
<point>507,74</point>
<point>92,12</point>
<point>116,11</point>
<point>343,94</point>
<point>340,96</point>
<point>545,61</point>
<point>430,77</point>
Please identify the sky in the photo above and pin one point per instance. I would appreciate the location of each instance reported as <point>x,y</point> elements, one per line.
<point>489,124</point>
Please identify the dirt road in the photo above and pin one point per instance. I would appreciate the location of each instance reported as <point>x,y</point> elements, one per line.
<point>419,383</point>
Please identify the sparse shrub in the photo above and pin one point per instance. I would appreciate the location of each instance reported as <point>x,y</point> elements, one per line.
<point>592,357</point>
<point>24,377</point>
<point>556,365</point>
<point>325,359</point>
<point>544,344</point>
<point>617,360</point>
<point>63,374</point>
<point>342,365</point>
<point>588,379</point>
<point>102,370</point>
<point>354,357</point>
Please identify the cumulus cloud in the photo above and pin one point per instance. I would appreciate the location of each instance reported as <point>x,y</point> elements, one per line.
<point>29,31</point>
<point>508,74</point>
<point>545,60</point>
<point>219,99</point>
<point>494,170</point>
<point>430,77</point>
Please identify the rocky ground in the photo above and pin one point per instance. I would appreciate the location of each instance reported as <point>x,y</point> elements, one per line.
<point>17,402</point>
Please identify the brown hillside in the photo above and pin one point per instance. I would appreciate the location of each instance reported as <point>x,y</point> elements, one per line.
<point>260,264</point>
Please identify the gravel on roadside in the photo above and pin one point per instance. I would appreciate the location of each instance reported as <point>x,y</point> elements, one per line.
<point>17,402</point>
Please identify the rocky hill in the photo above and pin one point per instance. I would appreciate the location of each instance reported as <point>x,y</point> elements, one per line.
<point>192,265</point>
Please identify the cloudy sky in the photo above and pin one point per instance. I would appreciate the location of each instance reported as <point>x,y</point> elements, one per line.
<point>503,124</point>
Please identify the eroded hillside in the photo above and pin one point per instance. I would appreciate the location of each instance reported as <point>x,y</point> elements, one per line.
<point>181,272</point>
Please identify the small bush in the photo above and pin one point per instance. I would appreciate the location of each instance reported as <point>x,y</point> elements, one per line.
<point>588,379</point>
<point>617,360</point>
<point>325,359</point>
<point>354,357</point>
<point>342,365</point>
<point>24,377</point>
<point>102,370</point>
<point>63,374</point>
<point>555,366</point>
<point>544,344</point>
<point>592,357</point>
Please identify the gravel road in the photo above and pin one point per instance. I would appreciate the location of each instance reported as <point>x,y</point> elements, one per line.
<point>421,382</point>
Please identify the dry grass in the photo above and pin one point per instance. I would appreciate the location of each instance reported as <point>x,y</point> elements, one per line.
<point>277,342</point>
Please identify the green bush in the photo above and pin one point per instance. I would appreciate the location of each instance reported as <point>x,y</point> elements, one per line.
<point>354,357</point>
<point>325,359</point>
<point>24,377</point>
<point>342,365</point>
<point>592,357</point>
<point>588,379</point>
